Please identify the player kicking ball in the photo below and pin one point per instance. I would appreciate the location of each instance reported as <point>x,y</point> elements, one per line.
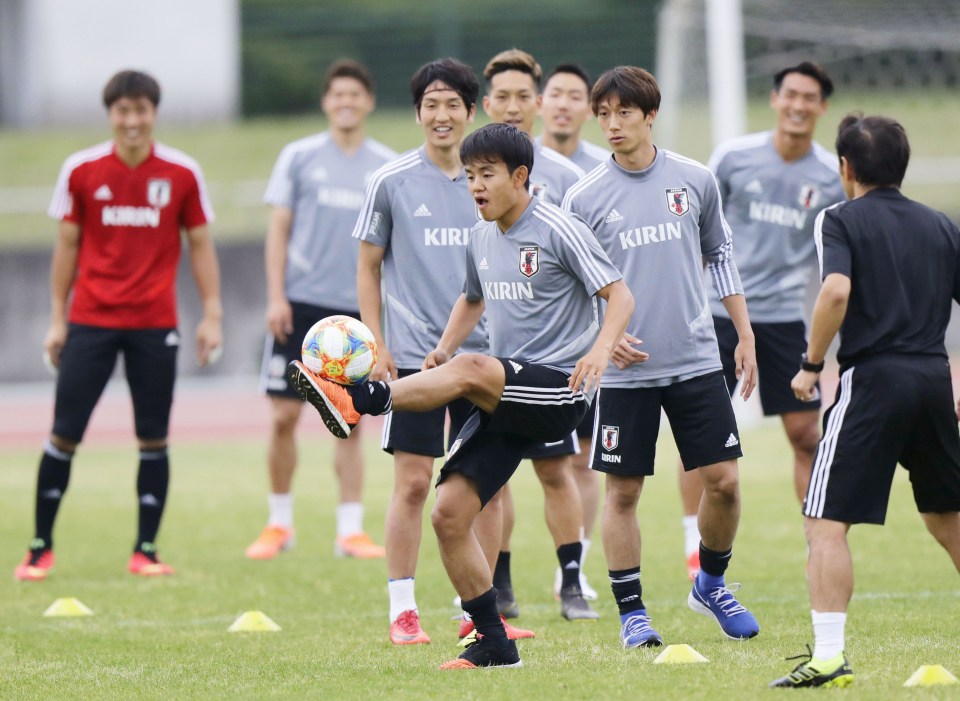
<point>526,260</point>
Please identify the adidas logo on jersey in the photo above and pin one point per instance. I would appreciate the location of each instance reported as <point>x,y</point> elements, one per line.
<point>613,216</point>
<point>483,264</point>
<point>103,193</point>
<point>753,186</point>
<point>422,211</point>
<point>731,441</point>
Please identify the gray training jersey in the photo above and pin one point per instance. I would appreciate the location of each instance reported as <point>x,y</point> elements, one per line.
<point>552,174</point>
<point>771,206</point>
<point>422,219</point>
<point>657,225</point>
<point>587,156</point>
<point>538,282</point>
<point>323,186</point>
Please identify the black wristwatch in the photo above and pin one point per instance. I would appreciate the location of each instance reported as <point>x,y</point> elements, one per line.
<point>806,365</point>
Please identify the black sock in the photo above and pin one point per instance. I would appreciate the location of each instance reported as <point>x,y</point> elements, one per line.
<point>486,618</point>
<point>501,573</point>
<point>627,590</point>
<point>712,562</point>
<point>152,481</point>
<point>569,556</point>
<point>371,397</point>
<point>52,479</point>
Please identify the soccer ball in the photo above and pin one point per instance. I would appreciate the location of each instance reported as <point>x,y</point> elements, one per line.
<point>341,349</point>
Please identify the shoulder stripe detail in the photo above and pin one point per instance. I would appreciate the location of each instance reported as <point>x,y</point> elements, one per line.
<point>818,234</point>
<point>557,220</point>
<point>594,150</point>
<point>583,183</point>
<point>827,158</point>
<point>279,183</point>
<point>409,160</point>
<point>683,159</point>
<point>381,150</point>
<point>739,143</point>
<point>560,159</point>
<point>60,203</point>
<point>178,157</point>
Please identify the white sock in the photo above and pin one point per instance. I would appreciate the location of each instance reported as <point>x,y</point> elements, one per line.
<point>349,518</point>
<point>281,510</point>
<point>691,535</point>
<point>585,542</point>
<point>828,634</point>
<point>401,597</point>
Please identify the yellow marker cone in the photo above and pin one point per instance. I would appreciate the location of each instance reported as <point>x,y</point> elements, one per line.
<point>931,675</point>
<point>67,607</point>
<point>679,654</point>
<point>254,622</point>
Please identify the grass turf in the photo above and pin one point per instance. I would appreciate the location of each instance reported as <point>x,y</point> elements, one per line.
<point>168,638</point>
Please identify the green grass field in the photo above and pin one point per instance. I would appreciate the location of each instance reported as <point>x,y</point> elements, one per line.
<point>168,639</point>
<point>237,158</point>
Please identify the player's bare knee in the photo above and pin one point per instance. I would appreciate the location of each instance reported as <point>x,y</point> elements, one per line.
<point>473,370</point>
<point>624,496</point>
<point>722,481</point>
<point>414,490</point>
<point>285,416</point>
<point>448,520</point>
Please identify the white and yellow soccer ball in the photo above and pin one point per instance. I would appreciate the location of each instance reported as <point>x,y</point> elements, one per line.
<point>341,349</point>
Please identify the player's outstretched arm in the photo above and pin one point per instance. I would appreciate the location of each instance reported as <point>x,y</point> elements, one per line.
<point>371,307</point>
<point>590,368</point>
<point>206,275</point>
<point>279,314</point>
<point>63,271</point>
<point>828,313</point>
<point>745,354</point>
<point>464,317</point>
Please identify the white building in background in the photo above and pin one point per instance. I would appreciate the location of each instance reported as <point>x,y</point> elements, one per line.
<point>56,56</point>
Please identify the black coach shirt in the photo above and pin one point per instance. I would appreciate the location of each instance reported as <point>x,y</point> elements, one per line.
<point>903,261</point>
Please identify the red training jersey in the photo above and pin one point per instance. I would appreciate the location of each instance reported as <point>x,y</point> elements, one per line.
<point>130,223</point>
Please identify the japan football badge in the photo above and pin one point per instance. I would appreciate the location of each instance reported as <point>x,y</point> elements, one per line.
<point>809,196</point>
<point>610,437</point>
<point>158,192</point>
<point>677,201</point>
<point>529,260</point>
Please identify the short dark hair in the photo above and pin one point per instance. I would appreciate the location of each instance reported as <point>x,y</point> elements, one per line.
<point>131,84</point>
<point>499,143</point>
<point>513,60</point>
<point>875,147</point>
<point>455,74</point>
<point>573,69</point>
<point>811,70</point>
<point>348,68</point>
<point>631,85</point>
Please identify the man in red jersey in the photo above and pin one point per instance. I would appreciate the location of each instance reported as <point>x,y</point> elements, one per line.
<point>122,206</point>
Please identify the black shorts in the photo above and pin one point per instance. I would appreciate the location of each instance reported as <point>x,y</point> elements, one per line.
<point>701,418</point>
<point>86,363</point>
<point>536,407</point>
<point>422,432</point>
<point>585,427</point>
<point>888,409</point>
<point>779,347</point>
<point>276,355</point>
